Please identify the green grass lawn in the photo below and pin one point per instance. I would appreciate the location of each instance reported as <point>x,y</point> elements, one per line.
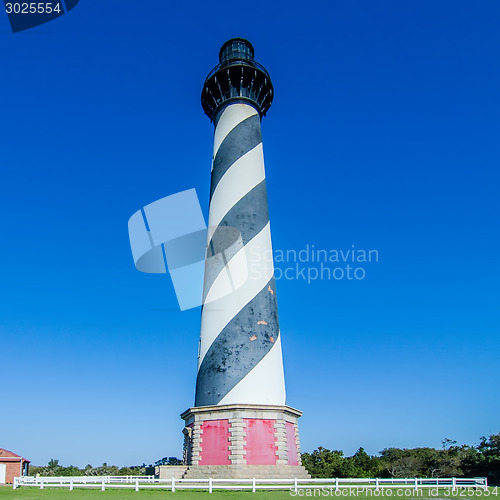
<point>32,493</point>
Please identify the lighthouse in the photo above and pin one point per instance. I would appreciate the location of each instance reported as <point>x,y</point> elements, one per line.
<point>240,425</point>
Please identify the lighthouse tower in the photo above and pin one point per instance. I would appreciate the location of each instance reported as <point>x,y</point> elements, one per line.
<point>240,425</point>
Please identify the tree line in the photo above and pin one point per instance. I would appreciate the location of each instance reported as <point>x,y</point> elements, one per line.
<point>451,460</point>
<point>53,468</point>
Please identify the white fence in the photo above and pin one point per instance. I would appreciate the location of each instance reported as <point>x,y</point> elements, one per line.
<point>146,482</point>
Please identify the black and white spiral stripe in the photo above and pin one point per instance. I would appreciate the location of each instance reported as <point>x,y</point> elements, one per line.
<point>240,357</point>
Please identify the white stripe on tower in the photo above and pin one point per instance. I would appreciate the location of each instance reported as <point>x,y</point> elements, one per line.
<point>232,116</point>
<point>240,357</point>
<point>218,313</point>
<point>245,173</point>
<point>256,387</point>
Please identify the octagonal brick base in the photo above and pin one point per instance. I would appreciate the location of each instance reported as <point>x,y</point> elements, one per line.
<point>242,441</point>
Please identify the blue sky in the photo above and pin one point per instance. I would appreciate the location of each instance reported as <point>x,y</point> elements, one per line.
<point>383,135</point>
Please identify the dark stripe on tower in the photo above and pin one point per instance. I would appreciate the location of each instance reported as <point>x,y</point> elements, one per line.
<point>249,217</point>
<point>242,139</point>
<point>233,353</point>
<point>214,266</point>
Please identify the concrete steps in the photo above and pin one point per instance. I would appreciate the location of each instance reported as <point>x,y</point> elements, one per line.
<point>246,472</point>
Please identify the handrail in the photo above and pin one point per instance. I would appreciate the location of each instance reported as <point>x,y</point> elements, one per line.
<point>237,62</point>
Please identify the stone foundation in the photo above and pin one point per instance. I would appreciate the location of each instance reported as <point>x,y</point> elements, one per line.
<point>242,441</point>
<point>170,471</point>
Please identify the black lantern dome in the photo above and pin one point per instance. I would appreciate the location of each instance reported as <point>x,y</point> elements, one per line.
<point>237,78</point>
